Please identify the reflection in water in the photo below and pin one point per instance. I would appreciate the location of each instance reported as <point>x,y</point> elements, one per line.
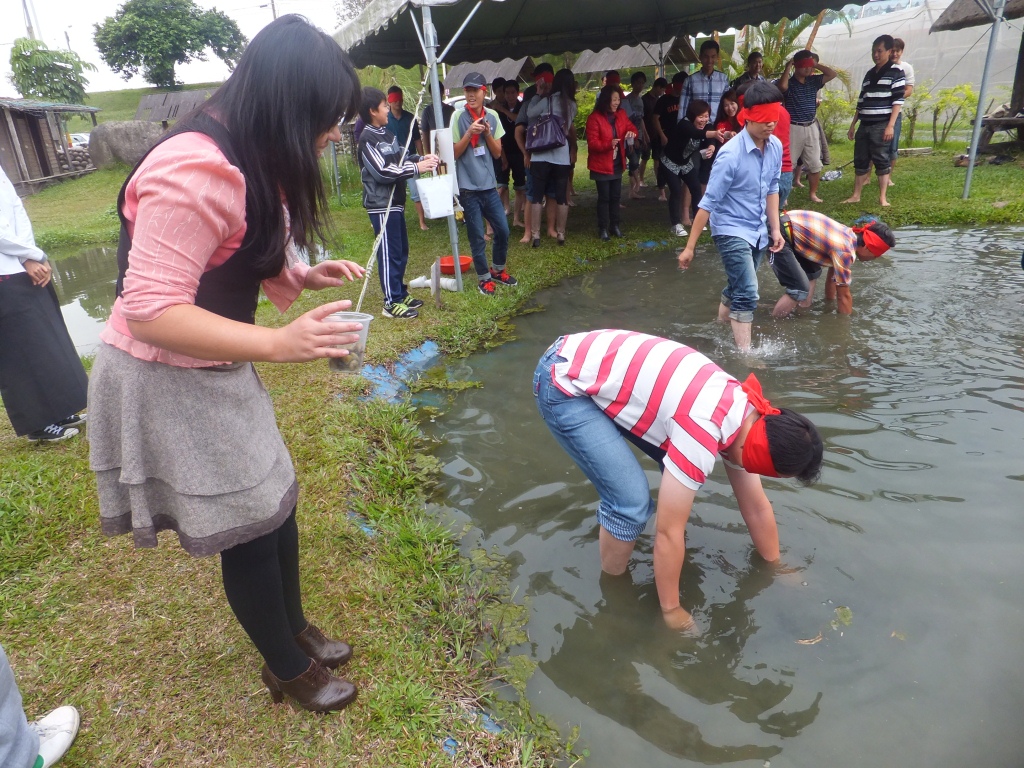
<point>85,286</point>
<point>915,526</point>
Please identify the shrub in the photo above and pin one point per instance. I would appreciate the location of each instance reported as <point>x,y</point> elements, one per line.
<point>835,113</point>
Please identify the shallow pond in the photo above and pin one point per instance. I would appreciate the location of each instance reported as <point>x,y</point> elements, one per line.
<point>905,560</point>
<point>85,285</point>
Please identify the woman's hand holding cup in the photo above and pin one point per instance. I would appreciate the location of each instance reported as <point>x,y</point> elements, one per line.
<point>311,336</point>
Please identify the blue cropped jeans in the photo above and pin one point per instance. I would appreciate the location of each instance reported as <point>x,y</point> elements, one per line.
<point>741,261</point>
<point>599,447</point>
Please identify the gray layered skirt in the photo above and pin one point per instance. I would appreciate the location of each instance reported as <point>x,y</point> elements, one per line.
<point>192,450</point>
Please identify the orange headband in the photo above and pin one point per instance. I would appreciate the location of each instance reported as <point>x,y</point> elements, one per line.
<point>756,457</point>
<point>875,244</point>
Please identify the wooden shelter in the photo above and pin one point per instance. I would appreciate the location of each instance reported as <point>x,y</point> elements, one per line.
<point>962,14</point>
<point>166,107</point>
<point>33,141</point>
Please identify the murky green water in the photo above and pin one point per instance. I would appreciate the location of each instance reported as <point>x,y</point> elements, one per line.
<point>85,285</point>
<point>907,557</point>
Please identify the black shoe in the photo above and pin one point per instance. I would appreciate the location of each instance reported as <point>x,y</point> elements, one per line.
<point>503,277</point>
<point>603,234</point>
<point>412,303</point>
<point>615,231</point>
<point>536,242</point>
<point>73,420</point>
<point>51,434</point>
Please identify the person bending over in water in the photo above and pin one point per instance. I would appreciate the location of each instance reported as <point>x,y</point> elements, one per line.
<point>599,389</point>
<point>814,240</point>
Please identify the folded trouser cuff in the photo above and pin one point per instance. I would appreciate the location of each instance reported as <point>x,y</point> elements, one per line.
<point>620,528</point>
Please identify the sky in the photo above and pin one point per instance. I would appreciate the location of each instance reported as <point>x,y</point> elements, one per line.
<point>76,18</point>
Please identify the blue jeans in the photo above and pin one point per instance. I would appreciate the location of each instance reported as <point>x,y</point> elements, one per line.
<point>599,447</point>
<point>19,745</point>
<point>480,204</point>
<point>741,261</point>
<point>785,187</point>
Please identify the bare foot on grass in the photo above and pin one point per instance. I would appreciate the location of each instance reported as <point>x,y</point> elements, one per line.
<point>816,199</point>
<point>852,199</point>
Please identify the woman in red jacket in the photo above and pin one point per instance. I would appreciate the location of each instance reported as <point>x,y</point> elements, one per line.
<point>609,130</point>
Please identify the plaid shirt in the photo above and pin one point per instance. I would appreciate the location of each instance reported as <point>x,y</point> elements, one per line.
<point>824,241</point>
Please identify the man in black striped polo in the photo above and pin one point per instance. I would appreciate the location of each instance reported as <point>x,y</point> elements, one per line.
<point>879,104</point>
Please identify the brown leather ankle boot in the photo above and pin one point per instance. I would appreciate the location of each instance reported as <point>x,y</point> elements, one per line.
<point>331,653</point>
<point>316,689</point>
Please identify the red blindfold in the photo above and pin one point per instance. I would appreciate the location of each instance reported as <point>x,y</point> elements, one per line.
<point>874,243</point>
<point>804,60</point>
<point>756,457</point>
<point>394,98</point>
<point>762,113</point>
<point>546,77</point>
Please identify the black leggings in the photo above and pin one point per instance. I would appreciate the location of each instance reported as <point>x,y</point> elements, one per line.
<point>261,581</point>
<point>609,193</point>
<point>675,193</point>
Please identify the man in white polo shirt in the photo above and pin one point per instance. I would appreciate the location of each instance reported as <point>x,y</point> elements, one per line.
<point>601,389</point>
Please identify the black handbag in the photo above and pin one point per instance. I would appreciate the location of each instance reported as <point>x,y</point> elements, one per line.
<point>546,133</point>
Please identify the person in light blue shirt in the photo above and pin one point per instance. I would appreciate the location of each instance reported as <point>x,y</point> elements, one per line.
<point>742,204</point>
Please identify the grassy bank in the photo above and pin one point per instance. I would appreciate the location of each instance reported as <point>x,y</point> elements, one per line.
<point>143,641</point>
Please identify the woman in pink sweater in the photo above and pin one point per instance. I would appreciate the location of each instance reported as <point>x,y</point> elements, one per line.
<point>184,435</point>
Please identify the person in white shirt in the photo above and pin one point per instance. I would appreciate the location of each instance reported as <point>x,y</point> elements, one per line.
<point>42,381</point>
<point>896,57</point>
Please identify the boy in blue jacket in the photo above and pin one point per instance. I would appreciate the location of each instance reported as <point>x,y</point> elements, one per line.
<point>384,167</point>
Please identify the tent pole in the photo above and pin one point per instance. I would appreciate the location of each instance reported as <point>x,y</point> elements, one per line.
<point>999,8</point>
<point>430,48</point>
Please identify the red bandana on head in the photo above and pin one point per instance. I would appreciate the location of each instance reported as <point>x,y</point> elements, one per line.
<point>762,113</point>
<point>875,244</point>
<point>547,77</point>
<point>756,458</point>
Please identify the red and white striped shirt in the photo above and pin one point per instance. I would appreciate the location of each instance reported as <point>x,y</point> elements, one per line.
<point>665,393</point>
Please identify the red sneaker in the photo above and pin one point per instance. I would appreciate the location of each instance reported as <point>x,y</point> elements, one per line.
<point>486,287</point>
<point>503,277</point>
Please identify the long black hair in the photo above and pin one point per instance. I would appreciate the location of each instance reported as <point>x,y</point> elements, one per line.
<point>795,446</point>
<point>292,85</point>
<point>603,104</point>
<point>564,85</point>
<point>723,117</point>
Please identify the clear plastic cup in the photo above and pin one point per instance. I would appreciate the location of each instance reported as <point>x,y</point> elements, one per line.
<point>353,361</point>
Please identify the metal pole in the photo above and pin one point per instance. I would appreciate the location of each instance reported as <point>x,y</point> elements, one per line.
<point>999,8</point>
<point>430,47</point>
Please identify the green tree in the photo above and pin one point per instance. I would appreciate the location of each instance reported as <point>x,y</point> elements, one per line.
<point>53,75</point>
<point>156,35</point>
<point>778,42</point>
<point>912,109</point>
<point>949,105</point>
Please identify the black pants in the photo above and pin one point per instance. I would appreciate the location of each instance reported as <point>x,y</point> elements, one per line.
<point>609,193</point>
<point>675,192</point>
<point>261,581</point>
<point>41,376</point>
<point>548,180</point>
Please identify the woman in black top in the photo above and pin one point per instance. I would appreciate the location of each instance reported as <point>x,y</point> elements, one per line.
<point>682,160</point>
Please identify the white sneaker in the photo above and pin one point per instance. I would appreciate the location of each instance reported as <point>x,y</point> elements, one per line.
<point>678,230</point>
<point>56,733</point>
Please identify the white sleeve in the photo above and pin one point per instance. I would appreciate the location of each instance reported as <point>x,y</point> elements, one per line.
<point>16,239</point>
